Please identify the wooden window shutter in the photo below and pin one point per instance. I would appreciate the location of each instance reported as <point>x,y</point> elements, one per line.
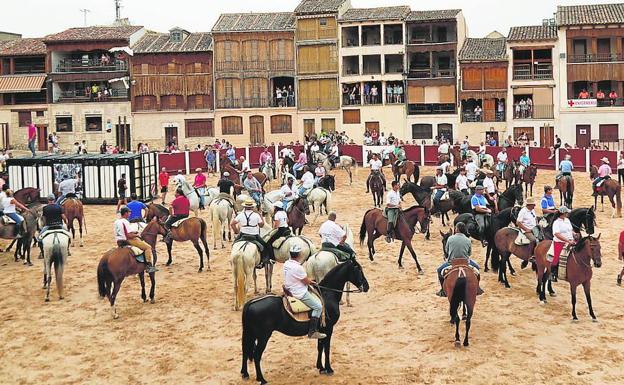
<point>144,69</point>
<point>415,95</point>
<point>351,116</point>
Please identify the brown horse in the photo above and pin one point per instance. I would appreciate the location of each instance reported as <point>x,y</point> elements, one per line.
<point>579,269</point>
<point>511,174</point>
<point>192,229</point>
<point>376,225</point>
<point>23,244</point>
<point>611,188</point>
<point>235,177</point>
<point>27,195</point>
<point>528,177</point>
<point>461,285</point>
<point>74,211</point>
<point>296,216</point>
<point>377,188</point>
<point>408,168</point>
<point>565,184</point>
<point>114,266</point>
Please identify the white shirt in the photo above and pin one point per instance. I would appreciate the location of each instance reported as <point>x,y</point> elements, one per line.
<point>320,172</point>
<point>502,157</point>
<point>294,274</point>
<point>383,141</point>
<point>563,227</point>
<point>245,167</point>
<point>471,170</point>
<point>285,190</point>
<point>249,221</point>
<point>375,164</point>
<point>488,185</point>
<point>461,182</point>
<point>314,148</point>
<point>67,186</point>
<point>287,152</point>
<point>179,178</point>
<point>334,151</point>
<point>332,233</point>
<point>441,179</point>
<point>394,198</point>
<point>443,149</point>
<point>527,218</point>
<point>445,166</point>
<point>8,207</point>
<point>282,217</point>
<point>482,149</point>
<point>368,140</point>
<point>307,180</point>
<point>119,226</point>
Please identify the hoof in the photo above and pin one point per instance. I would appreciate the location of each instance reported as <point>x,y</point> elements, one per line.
<point>553,294</point>
<point>61,298</point>
<point>152,301</point>
<point>168,263</point>
<point>595,320</point>
<point>28,263</point>
<point>244,376</point>
<point>115,316</point>
<point>144,300</point>
<point>575,320</point>
<point>200,270</point>
<point>513,273</point>
<point>421,272</point>
<point>457,344</point>
<point>543,302</point>
<point>466,344</point>
<point>81,245</point>
<point>47,299</point>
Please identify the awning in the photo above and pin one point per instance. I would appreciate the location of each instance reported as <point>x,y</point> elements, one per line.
<point>21,83</point>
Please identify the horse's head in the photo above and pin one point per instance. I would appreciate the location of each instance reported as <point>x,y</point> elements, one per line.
<point>303,205</point>
<point>406,188</point>
<point>517,192</point>
<point>331,182</point>
<point>590,245</point>
<point>593,172</point>
<point>356,275</point>
<point>445,237</point>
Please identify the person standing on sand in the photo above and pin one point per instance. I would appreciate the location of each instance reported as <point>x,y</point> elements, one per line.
<point>32,137</point>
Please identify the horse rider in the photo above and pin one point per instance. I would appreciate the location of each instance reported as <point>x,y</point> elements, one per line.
<point>376,166</point>
<point>399,153</point>
<point>319,172</point>
<point>247,225</point>
<point>490,188</point>
<point>527,223</point>
<point>53,217</point>
<point>563,236</point>
<point>334,154</point>
<point>9,208</point>
<point>565,169</point>
<point>200,187</point>
<point>254,188</point>
<point>180,209</point>
<point>471,170</point>
<point>393,210</point>
<point>501,158</point>
<point>280,223</point>
<point>461,182</point>
<point>163,179</point>
<point>302,160</point>
<point>225,186</point>
<point>548,204</point>
<point>458,246</point>
<point>439,188</point>
<point>179,178</point>
<point>67,187</point>
<point>481,154</point>
<point>604,172</point>
<point>265,158</point>
<point>289,193</point>
<point>296,284</point>
<point>446,165</point>
<point>481,212</point>
<point>125,237</point>
<point>287,152</point>
<point>138,209</point>
<point>463,149</point>
<point>245,168</point>
<point>230,153</point>
<point>122,186</point>
<point>333,236</point>
<point>307,182</point>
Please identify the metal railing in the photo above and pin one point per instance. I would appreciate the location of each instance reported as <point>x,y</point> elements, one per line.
<point>256,102</point>
<point>346,71</point>
<point>608,102</point>
<point>532,72</point>
<point>228,65</point>
<point>394,99</point>
<point>431,109</point>
<point>595,58</point>
<point>371,71</point>
<point>91,65</point>
<point>483,117</point>
<point>289,101</point>
<point>347,101</point>
<point>229,103</point>
<point>423,39</point>
<point>113,93</point>
<point>29,69</point>
<point>431,73</point>
<point>535,111</point>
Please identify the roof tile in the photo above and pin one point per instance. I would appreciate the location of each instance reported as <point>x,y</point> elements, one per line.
<point>532,33</point>
<point>442,14</point>
<point>379,13</point>
<point>94,33</point>
<point>590,14</point>
<point>154,42</point>
<point>22,47</point>
<point>484,49</point>
<point>249,22</point>
<point>318,6</point>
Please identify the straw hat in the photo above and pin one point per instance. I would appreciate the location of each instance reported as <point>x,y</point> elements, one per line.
<point>530,201</point>
<point>198,169</point>
<point>249,204</point>
<point>605,160</point>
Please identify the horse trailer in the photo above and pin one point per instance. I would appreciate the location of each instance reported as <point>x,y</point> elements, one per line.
<point>99,174</point>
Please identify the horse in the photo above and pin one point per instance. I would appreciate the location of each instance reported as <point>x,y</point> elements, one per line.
<point>263,316</point>
<point>27,195</point>
<point>461,285</point>
<point>221,213</point>
<point>296,216</point>
<point>528,177</point>
<point>283,254</point>
<point>24,243</point>
<point>579,269</point>
<point>319,197</point>
<point>565,184</point>
<point>422,195</point>
<point>511,174</point>
<point>327,182</point>
<point>74,211</point>
<point>245,256</point>
<point>114,266</point>
<point>408,168</point>
<point>191,229</point>
<point>191,194</point>
<point>457,200</point>
<point>510,197</point>
<point>611,188</point>
<point>156,210</point>
<point>235,176</point>
<point>375,225</point>
<point>211,194</point>
<point>267,169</point>
<point>345,163</point>
<point>55,249</point>
<point>376,185</point>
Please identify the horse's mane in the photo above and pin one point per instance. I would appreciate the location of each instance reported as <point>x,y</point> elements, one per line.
<point>334,271</point>
<point>414,207</point>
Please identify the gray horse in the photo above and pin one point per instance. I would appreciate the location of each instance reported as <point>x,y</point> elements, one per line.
<point>55,251</point>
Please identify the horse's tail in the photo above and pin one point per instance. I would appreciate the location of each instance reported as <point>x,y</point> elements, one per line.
<point>248,340</point>
<point>363,228</point>
<point>239,276</point>
<point>458,295</point>
<point>327,202</point>
<point>104,278</point>
<point>57,256</point>
<point>202,236</point>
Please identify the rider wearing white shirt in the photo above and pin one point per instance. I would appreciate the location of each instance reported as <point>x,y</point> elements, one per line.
<point>445,167</point>
<point>461,182</point>
<point>280,223</point>
<point>334,154</point>
<point>289,192</point>
<point>334,236</point>
<point>490,188</point>
<point>502,160</point>
<point>307,182</point>
<point>443,149</point>
<point>247,225</point>
<point>471,169</point>
<point>382,140</point>
<point>319,172</point>
<point>375,167</point>
<point>527,221</point>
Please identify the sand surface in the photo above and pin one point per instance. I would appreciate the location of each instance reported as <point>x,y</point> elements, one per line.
<point>397,333</point>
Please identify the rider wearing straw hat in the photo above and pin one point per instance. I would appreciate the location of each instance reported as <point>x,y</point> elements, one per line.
<point>527,223</point>
<point>247,225</point>
<point>604,172</point>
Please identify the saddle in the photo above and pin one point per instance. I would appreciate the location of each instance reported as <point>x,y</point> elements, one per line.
<point>444,196</point>
<point>136,252</point>
<point>298,310</point>
<point>178,223</point>
<point>249,238</point>
<point>6,220</point>
<point>58,229</point>
<point>279,242</point>
<point>521,239</point>
<point>459,264</point>
<point>340,255</point>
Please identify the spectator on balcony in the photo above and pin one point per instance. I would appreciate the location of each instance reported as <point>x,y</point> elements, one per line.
<point>477,113</point>
<point>583,94</point>
<point>374,94</point>
<point>389,94</point>
<point>398,91</point>
<point>291,96</point>
<point>529,108</point>
<point>613,97</point>
<point>500,107</point>
<point>346,94</point>
<point>94,91</point>
<point>391,139</point>
<point>278,97</point>
<point>367,93</point>
<point>368,141</point>
<point>517,111</point>
<point>87,92</point>
<point>600,95</point>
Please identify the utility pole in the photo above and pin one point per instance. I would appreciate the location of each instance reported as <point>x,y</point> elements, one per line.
<point>117,10</point>
<point>85,11</point>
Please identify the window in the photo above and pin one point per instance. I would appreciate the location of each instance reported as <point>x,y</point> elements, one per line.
<point>198,128</point>
<point>24,118</point>
<point>518,131</point>
<point>171,102</point>
<point>229,89</point>
<point>422,131</point>
<point>328,125</point>
<point>608,132</point>
<point>281,49</point>
<point>93,123</point>
<point>176,37</point>
<point>351,116</point>
<point>144,69</point>
<point>323,21</point>
<point>281,124</point>
<point>40,114</point>
<point>227,50</point>
<point>231,125</point>
<point>63,124</point>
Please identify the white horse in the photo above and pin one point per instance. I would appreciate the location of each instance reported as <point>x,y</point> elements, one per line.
<point>267,169</point>
<point>268,200</point>
<point>283,254</point>
<point>221,212</point>
<point>319,264</point>
<point>55,250</point>
<point>345,163</point>
<point>210,195</point>
<point>319,197</point>
<point>245,258</point>
<point>191,194</point>
<point>286,176</point>
<point>488,160</point>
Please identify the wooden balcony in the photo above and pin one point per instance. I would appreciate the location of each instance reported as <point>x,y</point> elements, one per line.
<point>229,103</point>
<point>91,65</point>
<point>532,72</point>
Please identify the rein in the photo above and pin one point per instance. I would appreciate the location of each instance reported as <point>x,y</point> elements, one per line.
<point>339,291</point>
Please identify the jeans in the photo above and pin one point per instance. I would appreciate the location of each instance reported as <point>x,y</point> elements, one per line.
<point>255,195</point>
<point>286,203</point>
<point>620,172</point>
<point>297,167</point>
<point>303,191</point>
<point>201,191</point>
<point>447,264</point>
<point>438,195</point>
<point>31,146</point>
<point>313,303</point>
<point>16,217</point>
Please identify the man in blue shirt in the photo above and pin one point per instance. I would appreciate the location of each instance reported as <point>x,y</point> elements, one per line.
<point>548,204</point>
<point>136,209</point>
<point>231,155</point>
<point>525,162</point>
<point>481,212</point>
<point>565,168</point>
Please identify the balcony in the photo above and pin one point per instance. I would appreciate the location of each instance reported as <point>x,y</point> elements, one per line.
<point>431,109</point>
<point>321,34</point>
<point>536,111</point>
<point>229,103</point>
<point>91,65</point>
<point>283,102</point>
<point>282,65</point>
<point>432,34</point>
<point>32,68</point>
<point>471,117</point>
<point>254,65</point>
<point>596,58</point>
<point>533,72</point>
<point>431,73</point>
<point>228,66</point>
<point>255,102</point>
<point>80,95</point>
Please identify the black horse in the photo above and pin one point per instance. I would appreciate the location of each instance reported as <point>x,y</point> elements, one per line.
<point>328,182</point>
<point>509,198</point>
<point>581,219</point>
<point>422,195</point>
<point>263,316</point>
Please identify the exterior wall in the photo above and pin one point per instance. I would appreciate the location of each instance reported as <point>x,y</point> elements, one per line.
<point>149,127</point>
<point>243,139</point>
<point>318,116</point>
<point>18,136</point>
<point>477,132</point>
<point>569,118</point>
<point>434,120</point>
<point>391,119</point>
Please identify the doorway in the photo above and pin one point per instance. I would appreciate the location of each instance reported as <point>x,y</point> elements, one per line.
<point>547,136</point>
<point>493,135</point>
<point>308,127</point>
<point>123,136</point>
<point>42,137</point>
<point>583,135</point>
<point>171,135</point>
<point>372,127</point>
<point>445,130</point>
<point>256,130</point>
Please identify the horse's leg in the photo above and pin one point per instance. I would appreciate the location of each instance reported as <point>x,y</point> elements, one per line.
<point>59,266</point>
<point>319,361</point>
<point>327,345</point>
<point>262,342</point>
<point>587,289</point>
<point>468,318</point>
<point>551,291</point>
<point>268,276</point>
<point>370,244</point>
<point>47,278</point>
<point>573,297</point>
<point>169,247</point>
<point>80,231</point>
<point>152,277</point>
<point>255,279</point>
<point>201,255</point>
<point>113,297</point>
<point>142,280</point>
<point>511,269</point>
<point>401,255</point>
<point>456,320</point>
<point>488,251</point>
<point>411,250</point>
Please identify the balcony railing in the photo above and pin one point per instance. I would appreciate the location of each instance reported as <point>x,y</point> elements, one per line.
<point>257,102</point>
<point>394,99</point>
<point>431,109</point>
<point>615,102</point>
<point>325,33</point>
<point>431,73</point>
<point>318,67</point>
<point>283,102</point>
<point>535,111</point>
<point>532,72</point>
<point>81,95</point>
<point>595,58</point>
<point>29,69</point>
<point>371,71</point>
<point>347,71</point>
<point>249,65</point>
<point>283,65</point>
<point>228,66</point>
<point>91,65</point>
<point>483,117</point>
<point>420,40</point>
<point>348,101</point>
<point>319,103</point>
<point>229,103</point>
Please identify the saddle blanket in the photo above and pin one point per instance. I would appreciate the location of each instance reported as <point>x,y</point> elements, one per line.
<point>444,196</point>
<point>340,255</point>
<point>55,231</point>
<point>521,239</point>
<point>563,260</point>
<point>178,223</point>
<point>6,220</point>
<point>249,239</point>
<point>298,310</point>
<point>449,269</point>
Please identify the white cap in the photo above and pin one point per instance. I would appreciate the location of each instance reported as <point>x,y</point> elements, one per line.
<point>226,174</point>
<point>295,249</point>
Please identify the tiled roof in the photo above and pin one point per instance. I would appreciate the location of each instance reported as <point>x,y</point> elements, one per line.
<point>21,83</point>
<point>318,6</point>
<point>94,34</point>
<point>249,22</point>
<point>153,42</point>
<point>380,13</point>
<point>532,33</point>
<point>483,50</point>
<point>22,47</point>
<point>590,14</point>
<point>442,14</point>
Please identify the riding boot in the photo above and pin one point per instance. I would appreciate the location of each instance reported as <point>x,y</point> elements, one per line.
<point>554,273</point>
<point>441,293</point>
<point>389,234</point>
<point>150,268</point>
<point>313,329</point>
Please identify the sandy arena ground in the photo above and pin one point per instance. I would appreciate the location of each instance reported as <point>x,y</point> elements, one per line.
<point>398,333</point>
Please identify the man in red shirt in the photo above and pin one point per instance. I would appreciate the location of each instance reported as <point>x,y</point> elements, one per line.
<point>163,179</point>
<point>200,187</point>
<point>32,137</point>
<point>180,208</point>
